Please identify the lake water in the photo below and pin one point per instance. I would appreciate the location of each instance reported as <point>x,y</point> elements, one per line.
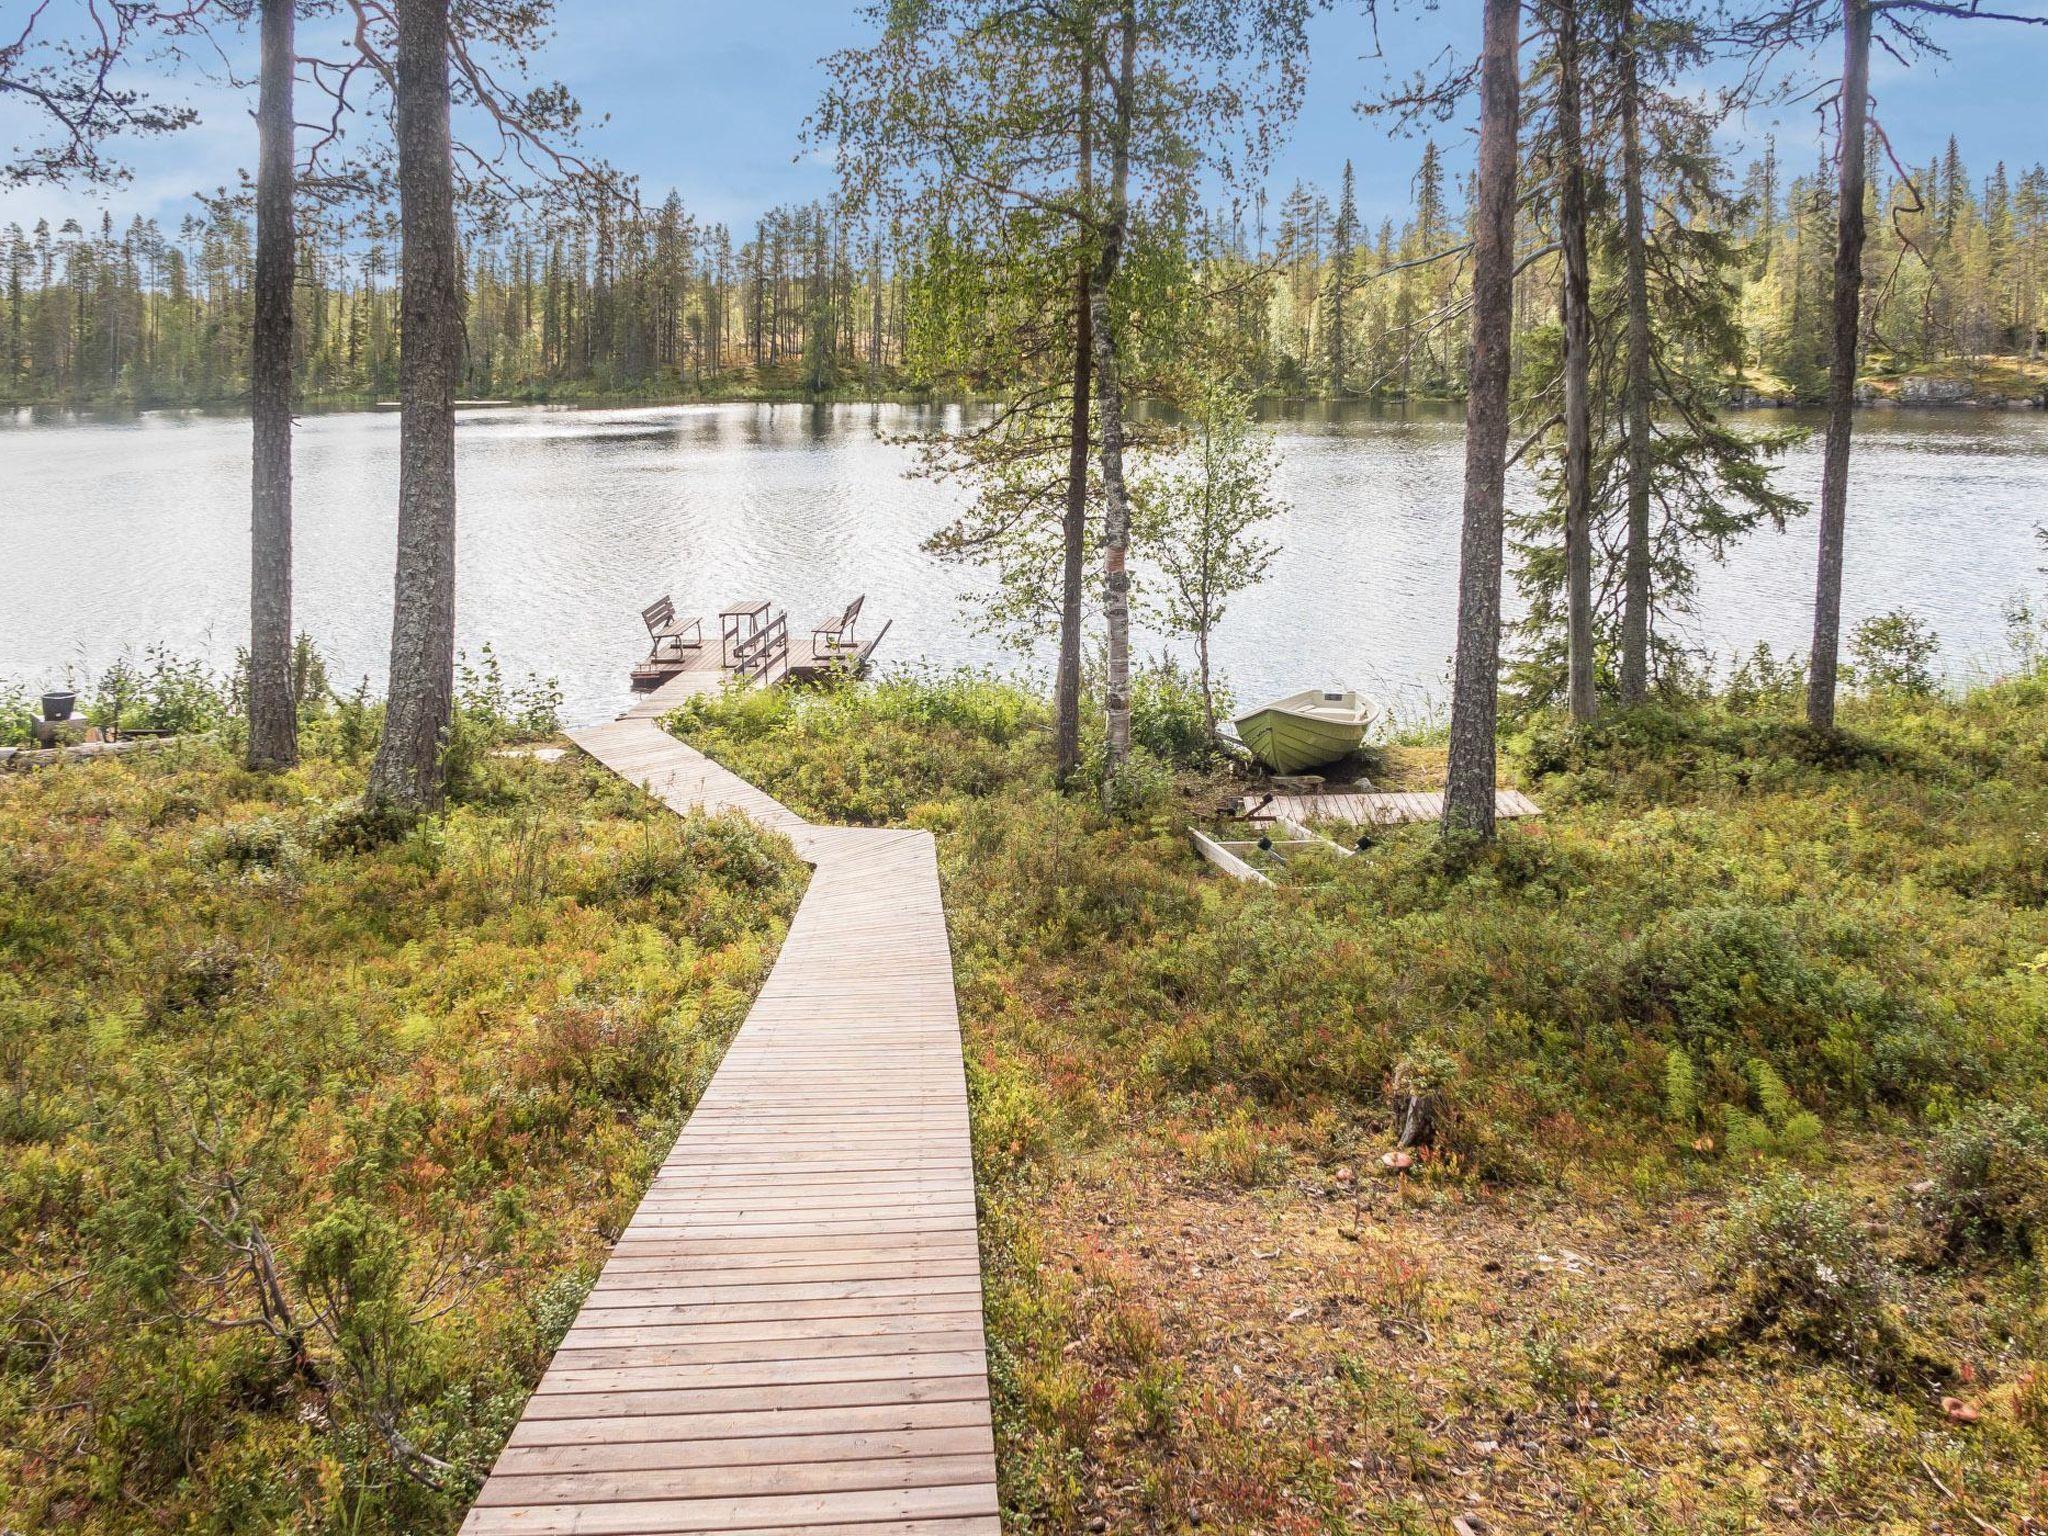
<point>117,533</point>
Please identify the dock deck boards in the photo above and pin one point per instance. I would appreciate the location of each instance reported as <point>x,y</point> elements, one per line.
<point>788,1335</point>
<point>1379,809</point>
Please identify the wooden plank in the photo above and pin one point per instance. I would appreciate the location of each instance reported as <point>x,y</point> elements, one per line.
<point>1379,809</point>
<point>788,1334</point>
<point>758,1515</point>
<point>804,1394</point>
<point>703,1429</point>
<point>1224,859</point>
<point>677,1452</point>
<point>728,1479</point>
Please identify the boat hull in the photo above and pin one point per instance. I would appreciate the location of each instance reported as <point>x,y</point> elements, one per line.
<point>1291,743</point>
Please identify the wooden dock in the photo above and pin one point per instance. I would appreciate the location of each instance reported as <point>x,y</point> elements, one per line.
<point>788,1336</point>
<point>1376,809</point>
<point>755,644</point>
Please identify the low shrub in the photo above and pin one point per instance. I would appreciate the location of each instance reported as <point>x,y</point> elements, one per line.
<point>298,1176</point>
<point>1991,1182</point>
<point>358,824</point>
<point>263,843</point>
<point>1803,1273</point>
<point>1167,717</point>
<point>1894,653</point>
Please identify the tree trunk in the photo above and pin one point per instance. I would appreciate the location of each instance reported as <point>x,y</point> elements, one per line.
<point>408,766</point>
<point>273,710</point>
<point>1475,690</point>
<point>1635,603</point>
<point>1576,302</point>
<point>1074,530</point>
<point>1074,538</point>
<point>1848,305</point>
<point>1116,522</point>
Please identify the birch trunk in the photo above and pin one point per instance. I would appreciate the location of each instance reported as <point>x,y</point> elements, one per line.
<point>407,770</point>
<point>1074,530</point>
<point>1116,521</point>
<point>1074,540</point>
<point>1848,313</point>
<point>273,709</point>
<point>1475,690</point>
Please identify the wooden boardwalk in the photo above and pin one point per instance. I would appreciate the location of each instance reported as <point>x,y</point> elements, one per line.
<point>788,1336</point>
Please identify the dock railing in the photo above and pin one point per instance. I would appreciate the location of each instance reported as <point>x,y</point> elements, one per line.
<point>755,655</point>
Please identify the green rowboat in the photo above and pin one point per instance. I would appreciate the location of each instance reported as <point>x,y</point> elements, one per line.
<point>1305,730</point>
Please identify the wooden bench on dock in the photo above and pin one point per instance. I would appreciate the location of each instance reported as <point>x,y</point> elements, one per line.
<point>668,633</point>
<point>834,636</point>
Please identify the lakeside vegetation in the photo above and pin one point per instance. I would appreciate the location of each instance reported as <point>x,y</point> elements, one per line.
<point>316,1123</point>
<point>1731,1073</point>
<point>1735,1066</point>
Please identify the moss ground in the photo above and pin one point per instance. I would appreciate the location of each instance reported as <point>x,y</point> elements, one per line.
<point>313,1131</point>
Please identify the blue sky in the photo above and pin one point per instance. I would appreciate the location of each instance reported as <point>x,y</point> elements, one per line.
<point>710,97</point>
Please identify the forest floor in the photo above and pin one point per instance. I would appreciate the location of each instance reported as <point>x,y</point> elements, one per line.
<point>1730,1211</point>
<point>315,1128</point>
<point>1731,1058</point>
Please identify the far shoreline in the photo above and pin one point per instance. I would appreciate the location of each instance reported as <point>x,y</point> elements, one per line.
<point>55,412</point>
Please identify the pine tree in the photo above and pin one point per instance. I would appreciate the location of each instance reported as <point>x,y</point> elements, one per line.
<point>1343,237</point>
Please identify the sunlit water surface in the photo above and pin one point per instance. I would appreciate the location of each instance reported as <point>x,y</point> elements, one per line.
<point>116,533</point>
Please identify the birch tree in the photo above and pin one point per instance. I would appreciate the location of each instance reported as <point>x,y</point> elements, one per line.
<point>981,109</point>
<point>1200,516</point>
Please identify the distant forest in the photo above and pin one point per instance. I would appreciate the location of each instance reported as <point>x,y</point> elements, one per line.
<point>642,300</point>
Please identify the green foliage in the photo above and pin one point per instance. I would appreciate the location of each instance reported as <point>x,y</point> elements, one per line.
<point>1803,1273</point>
<point>1139,787</point>
<point>18,715</point>
<point>1198,516</point>
<point>1235,1152</point>
<point>1681,1089</point>
<point>1761,682</point>
<point>1991,1182</point>
<point>1716,915</point>
<point>1706,484</point>
<point>490,713</point>
<point>1779,1127</point>
<point>312,1126</point>
<point>1169,715</point>
<point>349,731</point>
<point>876,753</point>
<point>1894,652</point>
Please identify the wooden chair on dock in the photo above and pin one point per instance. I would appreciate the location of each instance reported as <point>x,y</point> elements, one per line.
<point>665,631</point>
<point>834,638</point>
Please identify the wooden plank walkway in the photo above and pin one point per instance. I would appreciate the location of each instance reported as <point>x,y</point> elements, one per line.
<point>788,1335</point>
<point>1378,809</point>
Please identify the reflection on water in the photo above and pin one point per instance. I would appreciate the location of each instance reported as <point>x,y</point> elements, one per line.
<point>117,533</point>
